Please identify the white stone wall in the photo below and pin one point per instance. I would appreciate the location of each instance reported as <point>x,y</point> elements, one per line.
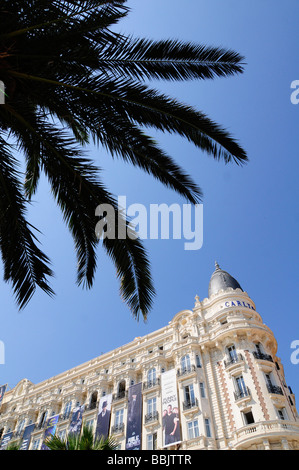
<point>226,319</point>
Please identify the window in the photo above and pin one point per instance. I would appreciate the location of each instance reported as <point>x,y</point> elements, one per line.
<point>121,389</point>
<point>93,400</point>
<point>202,390</point>
<point>21,426</point>
<point>248,417</point>
<point>208,427</point>
<point>43,418</point>
<point>151,405</point>
<point>89,424</point>
<point>241,387</point>
<point>282,413</point>
<point>193,430</point>
<point>198,361</point>
<point>62,435</point>
<point>269,380</point>
<point>152,441</point>
<point>151,376</point>
<point>185,363</point>
<point>119,417</point>
<point>232,353</point>
<point>189,395</point>
<point>35,444</point>
<point>67,409</point>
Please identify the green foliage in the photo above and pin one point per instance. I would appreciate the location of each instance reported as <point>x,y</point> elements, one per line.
<point>71,80</point>
<point>85,441</point>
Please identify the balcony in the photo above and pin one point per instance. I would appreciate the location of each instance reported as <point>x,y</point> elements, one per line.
<point>92,406</point>
<point>238,358</point>
<point>242,394</point>
<point>118,428</point>
<point>151,383</point>
<point>183,371</point>
<point>261,356</point>
<point>263,430</point>
<point>151,417</point>
<point>190,404</point>
<point>120,395</point>
<point>274,389</point>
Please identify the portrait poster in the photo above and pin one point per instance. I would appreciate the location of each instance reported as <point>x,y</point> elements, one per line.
<point>76,420</point>
<point>5,440</point>
<point>2,392</point>
<point>50,430</point>
<point>170,409</point>
<point>27,436</point>
<point>134,419</point>
<point>104,414</point>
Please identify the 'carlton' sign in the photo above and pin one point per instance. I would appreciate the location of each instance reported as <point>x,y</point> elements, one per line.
<point>238,303</point>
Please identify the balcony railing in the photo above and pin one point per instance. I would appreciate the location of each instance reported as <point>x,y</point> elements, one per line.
<point>264,357</point>
<point>233,360</point>
<point>118,428</point>
<point>242,393</point>
<point>92,406</point>
<point>119,395</point>
<point>188,404</point>
<point>153,416</point>
<point>274,389</point>
<point>186,370</point>
<point>151,383</point>
<point>64,416</point>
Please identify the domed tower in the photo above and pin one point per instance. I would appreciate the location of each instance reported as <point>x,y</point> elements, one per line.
<point>252,406</point>
<point>221,280</point>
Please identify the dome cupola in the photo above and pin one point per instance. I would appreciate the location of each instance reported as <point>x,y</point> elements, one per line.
<point>221,280</point>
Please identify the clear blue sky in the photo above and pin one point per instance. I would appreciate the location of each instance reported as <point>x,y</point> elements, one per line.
<point>250,213</point>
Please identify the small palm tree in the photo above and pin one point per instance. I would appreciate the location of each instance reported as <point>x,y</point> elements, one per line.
<point>70,80</point>
<point>13,446</point>
<point>85,441</point>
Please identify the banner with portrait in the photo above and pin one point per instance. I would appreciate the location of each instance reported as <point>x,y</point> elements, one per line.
<point>134,419</point>
<point>170,409</point>
<point>2,392</point>
<point>5,440</point>
<point>27,436</point>
<point>50,430</point>
<point>76,420</point>
<point>103,419</point>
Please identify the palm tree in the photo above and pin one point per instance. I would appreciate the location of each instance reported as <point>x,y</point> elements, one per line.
<point>85,441</point>
<point>70,80</point>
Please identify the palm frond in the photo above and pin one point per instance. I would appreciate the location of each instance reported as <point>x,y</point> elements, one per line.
<point>175,60</point>
<point>25,265</point>
<point>70,78</point>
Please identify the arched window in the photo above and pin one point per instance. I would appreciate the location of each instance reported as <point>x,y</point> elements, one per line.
<point>185,363</point>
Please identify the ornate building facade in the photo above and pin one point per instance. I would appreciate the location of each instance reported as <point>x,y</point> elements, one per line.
<point>229,384</point>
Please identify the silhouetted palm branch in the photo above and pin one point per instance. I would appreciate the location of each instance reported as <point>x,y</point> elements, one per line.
<point>71,80</point>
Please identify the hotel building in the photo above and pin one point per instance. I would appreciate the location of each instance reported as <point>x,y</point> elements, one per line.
<point>229,384</point>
